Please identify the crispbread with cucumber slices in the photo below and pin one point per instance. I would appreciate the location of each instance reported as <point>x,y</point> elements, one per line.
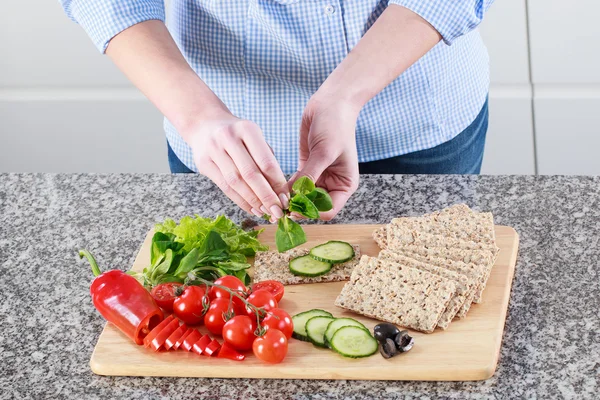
<point>272,265</point>
<point>464,286</point>
<point>398,294</point>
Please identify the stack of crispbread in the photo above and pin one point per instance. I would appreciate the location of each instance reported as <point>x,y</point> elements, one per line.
<point>271,265</point>
<point>455,245</point>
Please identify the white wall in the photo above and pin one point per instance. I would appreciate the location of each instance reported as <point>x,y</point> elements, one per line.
<point>66,108</point>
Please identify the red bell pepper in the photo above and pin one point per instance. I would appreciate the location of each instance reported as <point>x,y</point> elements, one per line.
<point>123,301</point>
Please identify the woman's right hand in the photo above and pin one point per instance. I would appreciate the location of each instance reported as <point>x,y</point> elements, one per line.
<point>233,153</point>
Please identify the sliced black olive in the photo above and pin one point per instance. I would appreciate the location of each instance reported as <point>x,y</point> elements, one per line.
<point>403,341</point>
<point>388,348</point>
<point>385,331</point>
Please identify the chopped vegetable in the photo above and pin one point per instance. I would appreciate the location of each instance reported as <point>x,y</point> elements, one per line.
<point>200,345</point>
<point>334,252</point>
<point>175,336</point>
<point>190,340</point>
<point>308,266</point>
<point>275,287</point>
<point>152,334</point>
<point>315,329</point>
<point>338,323</point>
<point>160,339</point>
<point>227,351</point>
<point>180,341</point>
<point>354,342</point>
<point>213,348</point>
<point>121,300</point>
<point>299,321</point>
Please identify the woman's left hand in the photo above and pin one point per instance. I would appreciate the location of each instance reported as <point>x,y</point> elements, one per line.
<point>328,148</point>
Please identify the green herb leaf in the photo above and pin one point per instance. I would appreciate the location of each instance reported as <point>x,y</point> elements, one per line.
<point>160,243</point>
<point>231,266</point>
<point>289,234</point>
<point>163,267</point>
<point>303,206</point>
<point>321,199</point>
<point>303,185</point>
<point>187,263</point>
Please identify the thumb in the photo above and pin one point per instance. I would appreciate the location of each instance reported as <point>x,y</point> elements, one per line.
<point>313,167</point>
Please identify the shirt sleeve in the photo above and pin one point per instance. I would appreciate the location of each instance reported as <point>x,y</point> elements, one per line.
<point>452,18</point>
<point>104,19</point>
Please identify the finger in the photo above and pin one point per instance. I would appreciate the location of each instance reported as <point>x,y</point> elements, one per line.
<point>263,156</point>
<point>339,199</point>
<point>211,170</point>
<point>315,165</point>
<point>235,181</point>
<point>255,180</point>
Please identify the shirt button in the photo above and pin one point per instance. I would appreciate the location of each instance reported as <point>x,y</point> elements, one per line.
<point>329,9</point>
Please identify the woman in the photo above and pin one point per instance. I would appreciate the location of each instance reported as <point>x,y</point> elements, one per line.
<point>253,89</point>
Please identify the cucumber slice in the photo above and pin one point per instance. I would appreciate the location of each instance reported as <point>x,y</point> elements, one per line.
<point>354,342</point>
<point>300,319</point>
<point>334,252</point>
<point>315,329</point>
<point>308,266</point>
<point>339,323</point>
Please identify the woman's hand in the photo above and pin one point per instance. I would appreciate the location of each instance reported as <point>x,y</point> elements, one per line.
<point>233,153</point>
<point>328,148</point>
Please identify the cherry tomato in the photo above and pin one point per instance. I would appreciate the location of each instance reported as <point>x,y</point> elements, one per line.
<point>188,307</point>
<point>239,332</point>
<point>164,294</point>
<point>233,283</point>
<point>275,287</point>
<point>214,318</point>
<point>280,320</point>
<point>272,347</point>
<point>261,299</point>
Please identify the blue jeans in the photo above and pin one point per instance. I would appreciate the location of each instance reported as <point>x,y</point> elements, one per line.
<point>461,155</point>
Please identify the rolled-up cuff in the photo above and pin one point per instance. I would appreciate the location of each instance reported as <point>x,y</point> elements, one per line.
<point>451,19</point>
<point>103,20</point>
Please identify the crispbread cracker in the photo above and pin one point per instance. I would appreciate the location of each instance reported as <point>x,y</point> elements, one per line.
<point>400,236</point>
<point>456,209</point>
<point>397,294</point>
<point>464,287</point>
<point>476,264</point>
<point>271,265</point>
<point>473,227</point>
<point>380,237</point>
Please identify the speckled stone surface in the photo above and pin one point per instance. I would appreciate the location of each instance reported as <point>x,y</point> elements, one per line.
<point>48,326</point>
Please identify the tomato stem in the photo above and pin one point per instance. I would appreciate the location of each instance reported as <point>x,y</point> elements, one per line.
<point>258,311</point>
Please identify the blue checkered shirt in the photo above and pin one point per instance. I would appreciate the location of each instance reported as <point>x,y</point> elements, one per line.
<point>265,58</point>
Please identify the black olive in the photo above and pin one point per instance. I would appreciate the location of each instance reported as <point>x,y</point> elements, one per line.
<point>384,331</point>
<point>388,348</point>
<point>403,341</point>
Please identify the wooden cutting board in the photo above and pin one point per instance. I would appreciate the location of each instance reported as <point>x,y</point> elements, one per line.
<point>467,350</point>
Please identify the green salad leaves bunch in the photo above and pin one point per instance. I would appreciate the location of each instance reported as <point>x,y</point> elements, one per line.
<point>307,200</point>
<point>209,248</point>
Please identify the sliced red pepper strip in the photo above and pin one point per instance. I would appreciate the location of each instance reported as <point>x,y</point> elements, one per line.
<point>175,336</point>
<point>212,349</point>
<point>201,344</point>
<point>190,340</point>
<point>159,340</point>
<point>123,301</point>
<point>227,351</point>
<point>179,341</point>
<point>148,339</point>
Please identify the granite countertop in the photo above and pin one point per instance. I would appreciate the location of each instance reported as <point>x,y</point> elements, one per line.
<point>48,326</point>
